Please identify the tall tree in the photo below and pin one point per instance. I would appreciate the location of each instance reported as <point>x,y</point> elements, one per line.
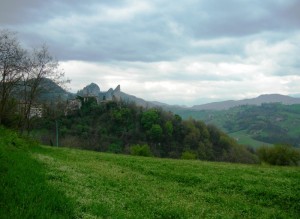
<point>13,62</point>
<point>22,75</point>
<point>41,65</point>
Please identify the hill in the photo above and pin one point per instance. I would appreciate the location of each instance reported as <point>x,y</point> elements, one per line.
<point>267,98</point>
<point>254,124</point>
<point>49,90</point>
<point>40,181</point>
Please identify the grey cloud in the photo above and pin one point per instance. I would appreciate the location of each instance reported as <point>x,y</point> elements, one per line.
<point>209,19</point>
<point>14,11</point>
<point>148,36</point>
<point>202,76</point>
<point>145,40</point>
<point>31,11</point>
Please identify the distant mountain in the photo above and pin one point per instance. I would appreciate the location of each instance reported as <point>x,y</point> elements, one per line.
<point>51,89</point>
<point>266,98</point>
<point>167,106</point>
<point>48,90</point>
<point>295,95</point>
<point>137,100</point>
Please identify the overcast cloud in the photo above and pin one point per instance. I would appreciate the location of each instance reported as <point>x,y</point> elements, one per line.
<point>183,52</point>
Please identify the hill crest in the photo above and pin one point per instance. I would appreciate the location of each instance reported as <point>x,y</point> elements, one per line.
<point>265,98</point>
<point>94,89</point>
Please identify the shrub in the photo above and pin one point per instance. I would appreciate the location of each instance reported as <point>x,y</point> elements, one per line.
<point>115,148</point>
<point>281,154</point>
<point>239,154</point>
<point>141,150</point>
<point>189,155</point>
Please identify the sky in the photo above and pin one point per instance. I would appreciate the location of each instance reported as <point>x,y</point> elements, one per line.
<point>184,52</point>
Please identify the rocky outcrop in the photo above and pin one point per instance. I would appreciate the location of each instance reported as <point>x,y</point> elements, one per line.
<point>90,90</point>
<point>117,93</point>
<point>93,90</point>
<point>113,94</point>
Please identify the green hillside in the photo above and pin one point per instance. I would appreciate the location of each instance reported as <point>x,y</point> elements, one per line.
<point>122,127</point>
<point>252,125</point>
<point>49,182</point>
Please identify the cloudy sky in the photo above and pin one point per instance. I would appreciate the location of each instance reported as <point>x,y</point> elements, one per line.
<point>177,52</point>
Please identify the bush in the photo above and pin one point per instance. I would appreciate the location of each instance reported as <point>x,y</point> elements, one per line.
<point>189,155</point>
<point>239,154</point>
<point>281,154</point>
<point>141,150</point>
<point>115,148</point>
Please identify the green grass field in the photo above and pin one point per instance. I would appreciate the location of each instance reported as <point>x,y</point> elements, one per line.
<point>243,138</point>
<point>48,182</point>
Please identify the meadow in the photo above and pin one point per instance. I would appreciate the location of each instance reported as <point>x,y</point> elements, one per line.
<point>49,182</point>
<point>242,137</point>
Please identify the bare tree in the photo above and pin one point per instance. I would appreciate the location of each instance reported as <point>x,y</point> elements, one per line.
<point>23,72</point>
<point>41,66</point>
<point>12,64</point>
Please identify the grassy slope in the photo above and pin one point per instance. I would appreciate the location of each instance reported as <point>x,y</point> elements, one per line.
<point>24,188</point>
<point>243,138</point>
<point>118,186</point>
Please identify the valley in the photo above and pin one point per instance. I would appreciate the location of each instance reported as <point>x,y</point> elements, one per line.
<point>254,125</point>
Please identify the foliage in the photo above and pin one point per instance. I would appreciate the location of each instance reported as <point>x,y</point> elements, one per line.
<point>189,155</point>
<point>280,154</point>
<point>169,128</point>
<point>140,150</point>
<point>115,148</point>
<point>155,133</point>
<point>149,118</point>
